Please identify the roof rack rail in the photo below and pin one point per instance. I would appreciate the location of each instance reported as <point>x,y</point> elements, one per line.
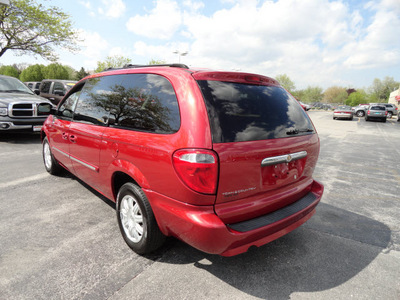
<point>183,66</point>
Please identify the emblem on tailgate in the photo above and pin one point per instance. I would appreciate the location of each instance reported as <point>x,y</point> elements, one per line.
<point>237,192</point>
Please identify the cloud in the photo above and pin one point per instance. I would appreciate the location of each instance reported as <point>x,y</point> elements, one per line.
<point>161,23</point>
<point>112,8</point>
<point>93,47</point>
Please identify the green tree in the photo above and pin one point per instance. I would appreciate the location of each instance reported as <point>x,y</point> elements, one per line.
<point>33,73</point>
<point>29,28</point>
<point>56,71</point>
<point>81,74</point>
<point>115,61</point>
<point>9,71</point>
<point>285,81</point>
<point>71,72</point>
<point>335,94</point>
<point>380,90</point>
<point>356,98</point>
<point>312,94</point>
<point>157,62</point>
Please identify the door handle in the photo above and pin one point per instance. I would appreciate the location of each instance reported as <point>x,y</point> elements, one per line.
<point>65,136</point>
<point>72,138</point>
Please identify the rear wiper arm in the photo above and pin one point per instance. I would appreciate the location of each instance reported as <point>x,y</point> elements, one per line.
<point>297,131</point>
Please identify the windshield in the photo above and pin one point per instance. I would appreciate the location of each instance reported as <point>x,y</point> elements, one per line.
<point>13,85</point>
<point>242,112</point>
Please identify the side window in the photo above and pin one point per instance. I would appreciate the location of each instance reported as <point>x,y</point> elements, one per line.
<point>45,88</point>
<point>143,102</point>
<point>67,107</point>
<point>58,86</point>
<point>91,109</point>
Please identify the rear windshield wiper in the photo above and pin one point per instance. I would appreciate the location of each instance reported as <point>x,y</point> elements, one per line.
<point>297,131</point>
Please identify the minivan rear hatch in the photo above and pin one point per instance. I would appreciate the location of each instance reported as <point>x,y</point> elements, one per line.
<point>266,144</point>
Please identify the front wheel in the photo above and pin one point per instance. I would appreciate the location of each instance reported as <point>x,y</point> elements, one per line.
<point>360,113</point>
<point>51,165</point>
<point>136,220</point>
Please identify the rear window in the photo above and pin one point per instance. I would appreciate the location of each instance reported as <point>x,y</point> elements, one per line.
<point>242,112</point>
<point>378,108</point>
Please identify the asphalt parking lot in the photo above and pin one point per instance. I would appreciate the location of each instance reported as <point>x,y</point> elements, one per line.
<point>60,240</point>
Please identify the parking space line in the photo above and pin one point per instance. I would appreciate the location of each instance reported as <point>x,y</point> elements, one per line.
<point>23,180</point>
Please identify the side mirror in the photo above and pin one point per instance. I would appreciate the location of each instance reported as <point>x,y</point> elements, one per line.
<point>46,109</point>
<point>37,92</point>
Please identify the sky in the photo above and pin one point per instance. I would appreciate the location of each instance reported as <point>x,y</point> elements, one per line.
<point>321,43</point>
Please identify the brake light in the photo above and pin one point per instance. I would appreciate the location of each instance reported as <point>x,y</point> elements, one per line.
<point>386,113</point>
<point>368,112</point>
<point>198,169</point>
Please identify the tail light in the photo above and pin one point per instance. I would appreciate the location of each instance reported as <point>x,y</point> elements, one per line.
<point>386,113</point>
<point>198,169</point>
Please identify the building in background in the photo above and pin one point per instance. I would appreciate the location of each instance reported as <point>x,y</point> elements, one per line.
<point>394,98</point>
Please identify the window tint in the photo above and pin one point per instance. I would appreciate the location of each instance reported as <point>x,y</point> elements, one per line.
<point>90,109</point>
<point>45,88</point>
<point>144,102</point>
<point>241,112</point>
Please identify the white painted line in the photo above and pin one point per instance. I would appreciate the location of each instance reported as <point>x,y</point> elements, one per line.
<point>23,180</point>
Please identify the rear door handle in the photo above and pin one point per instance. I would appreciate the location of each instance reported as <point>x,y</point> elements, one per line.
<point>72,138</point>
<point>65,136</point>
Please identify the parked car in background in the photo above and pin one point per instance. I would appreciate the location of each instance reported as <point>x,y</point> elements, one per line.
<point>343,112</point>
<point>20,107</point>
<point>55,89</point>
<point>391,109</point>
<point>166,143</point>
<point>34,86</point>
<point>305,106</point>
<point>360,110</point>
<point>376,111</point>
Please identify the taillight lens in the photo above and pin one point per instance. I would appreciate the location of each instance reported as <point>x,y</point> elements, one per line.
<point>198,169</point>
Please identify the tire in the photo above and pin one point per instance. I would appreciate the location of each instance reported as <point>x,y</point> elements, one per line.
<point>366,118</point>
<point>384,120</point>
<point>389,115</point>
<point>51,165</point>
<point>136,220</point>
<point>360,113</point>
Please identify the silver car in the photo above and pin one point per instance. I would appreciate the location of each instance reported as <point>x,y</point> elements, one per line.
<point>343,112</point>
<point>376,112</point>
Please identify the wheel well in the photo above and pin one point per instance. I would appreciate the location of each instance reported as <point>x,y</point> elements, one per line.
<point>119,179</point>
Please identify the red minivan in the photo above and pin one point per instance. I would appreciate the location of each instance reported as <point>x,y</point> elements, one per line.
<point>220,160</point>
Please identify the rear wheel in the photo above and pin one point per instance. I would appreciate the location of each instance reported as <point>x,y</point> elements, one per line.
<point>360,113</point>
<point>136,220</point>
<point>51,165</point>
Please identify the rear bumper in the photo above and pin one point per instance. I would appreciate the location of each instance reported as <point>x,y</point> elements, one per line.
<point>343,116</point>
<point>201,228</point>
